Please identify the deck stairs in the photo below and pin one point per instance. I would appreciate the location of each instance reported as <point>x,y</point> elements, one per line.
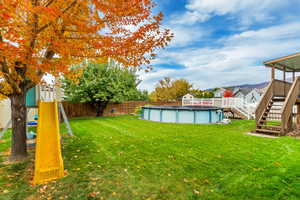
<point>280,100</point>
<point>242,113</point>
<point>266,123</point>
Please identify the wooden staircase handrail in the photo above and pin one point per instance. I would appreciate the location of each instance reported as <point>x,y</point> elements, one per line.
<point>266,98</point>
<point>290,101</point>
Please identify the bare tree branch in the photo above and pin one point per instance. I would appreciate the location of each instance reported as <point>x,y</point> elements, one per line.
<point>49,3</point>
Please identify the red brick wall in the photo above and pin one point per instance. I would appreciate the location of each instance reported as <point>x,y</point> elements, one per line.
<point>112,109</point>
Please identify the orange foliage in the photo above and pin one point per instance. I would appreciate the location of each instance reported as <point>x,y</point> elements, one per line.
<point>5,88</point>
<point>47,36</point>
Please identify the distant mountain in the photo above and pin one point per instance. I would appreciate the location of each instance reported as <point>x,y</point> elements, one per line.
<point>251,86</point>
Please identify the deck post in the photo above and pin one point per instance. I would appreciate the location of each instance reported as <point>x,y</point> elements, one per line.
<point>293,75</point>
<point>284,80</point>
<point>290,124</point>
<point>210,117</point>
<point>284,70</point>
<point>273,73</point>
<point>160,115</point>
<point>298,117</point>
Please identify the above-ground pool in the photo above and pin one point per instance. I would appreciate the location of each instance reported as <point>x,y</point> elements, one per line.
<point>183,114</point>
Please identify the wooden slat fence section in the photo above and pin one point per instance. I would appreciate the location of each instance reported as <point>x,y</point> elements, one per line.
<point>112,109</point>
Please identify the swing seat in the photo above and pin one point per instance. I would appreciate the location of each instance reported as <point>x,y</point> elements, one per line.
<point>32,123</point>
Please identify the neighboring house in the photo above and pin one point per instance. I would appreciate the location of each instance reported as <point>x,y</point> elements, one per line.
<point>254,96</point>
<point>188,97</point>
<point>262,90</point>
<point>242,92</point>
<point>235,90</point>
<point>5,107</point>
<point>5,112</point>
<point>249,95</point>
<point>219,93</point>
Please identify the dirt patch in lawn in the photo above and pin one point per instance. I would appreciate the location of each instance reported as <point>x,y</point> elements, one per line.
<point>261,135</point>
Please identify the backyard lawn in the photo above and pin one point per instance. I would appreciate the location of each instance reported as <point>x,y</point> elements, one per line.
<point>127,158</point>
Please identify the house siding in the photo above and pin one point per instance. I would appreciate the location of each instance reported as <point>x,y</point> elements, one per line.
<point>5,112</point>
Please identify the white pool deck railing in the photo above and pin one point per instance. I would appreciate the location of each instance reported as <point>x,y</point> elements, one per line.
<point>246,108</point>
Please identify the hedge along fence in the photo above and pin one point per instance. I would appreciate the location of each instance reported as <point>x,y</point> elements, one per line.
<point>112,109</point>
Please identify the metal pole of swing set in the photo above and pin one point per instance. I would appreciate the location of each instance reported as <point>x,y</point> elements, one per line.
<point>58,98</point>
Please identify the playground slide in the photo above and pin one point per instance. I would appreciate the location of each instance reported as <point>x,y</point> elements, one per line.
<point>48,158</point>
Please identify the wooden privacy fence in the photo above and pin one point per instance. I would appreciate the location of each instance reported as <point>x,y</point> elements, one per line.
<point>112,109</point>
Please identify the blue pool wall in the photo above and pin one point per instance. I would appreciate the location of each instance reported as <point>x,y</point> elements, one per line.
<point>182,116</point>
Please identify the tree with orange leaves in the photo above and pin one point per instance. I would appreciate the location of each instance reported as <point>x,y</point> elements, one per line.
<point>47,36</point>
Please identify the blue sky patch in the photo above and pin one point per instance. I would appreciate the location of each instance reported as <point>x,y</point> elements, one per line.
<point>219,43</point>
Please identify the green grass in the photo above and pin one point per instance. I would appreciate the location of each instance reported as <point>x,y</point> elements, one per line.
<point>127,158</point>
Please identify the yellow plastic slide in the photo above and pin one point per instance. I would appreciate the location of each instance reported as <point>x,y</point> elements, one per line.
<point>48,158</point>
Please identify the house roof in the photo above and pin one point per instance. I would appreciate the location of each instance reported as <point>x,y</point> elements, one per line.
<point>220,89</point>
<point>290,63</point>
<point>244,91</point>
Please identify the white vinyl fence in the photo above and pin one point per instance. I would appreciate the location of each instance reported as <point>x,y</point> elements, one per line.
<point>247,109</point>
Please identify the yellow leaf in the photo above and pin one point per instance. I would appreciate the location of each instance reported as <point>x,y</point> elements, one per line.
<point>5,191</point>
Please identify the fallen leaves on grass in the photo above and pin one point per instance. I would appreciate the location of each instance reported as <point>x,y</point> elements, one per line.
<point>5,191</point>
<point>278,164</point>
<point>93,194</point>
<point>6,153</point>
<point>206,181</point>
<point>197,192</point>
<point>43,189</point>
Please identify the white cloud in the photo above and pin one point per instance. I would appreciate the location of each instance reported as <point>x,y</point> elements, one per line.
<point>184,36</point>
<point>237,60</point>
<point>247,11</point>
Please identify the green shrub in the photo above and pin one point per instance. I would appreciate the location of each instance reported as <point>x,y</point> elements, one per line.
<point>138,110</point>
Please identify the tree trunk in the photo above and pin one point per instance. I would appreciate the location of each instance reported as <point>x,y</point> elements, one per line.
<point>100,108</point>
<point>18,116</point>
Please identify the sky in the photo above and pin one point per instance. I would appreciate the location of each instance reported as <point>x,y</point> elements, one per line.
<point>224,42</point>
